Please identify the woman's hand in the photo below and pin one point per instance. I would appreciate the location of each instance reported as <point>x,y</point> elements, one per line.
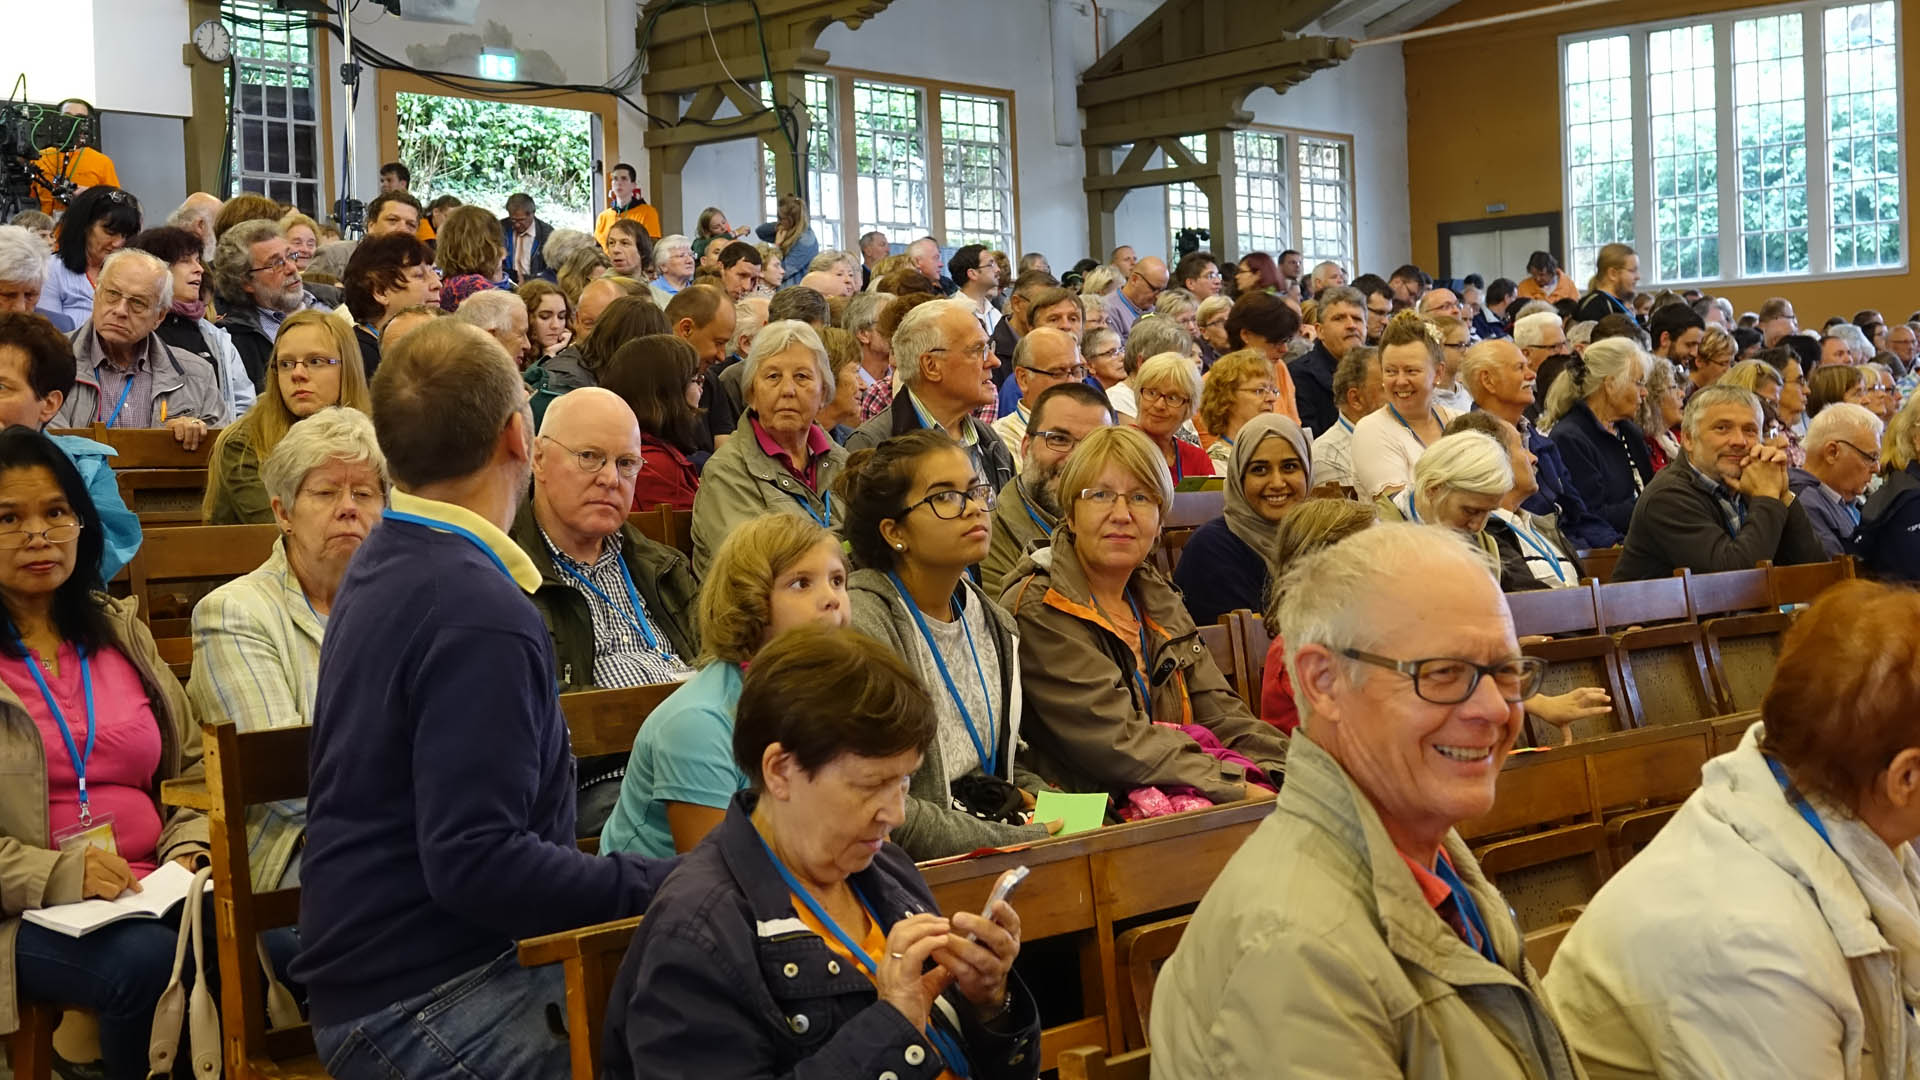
<point>902,980</point>
<point>1561,710</point>
<point>979,967</point>
<point>106,875</point>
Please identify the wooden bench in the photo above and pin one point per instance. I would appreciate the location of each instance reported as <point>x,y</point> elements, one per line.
<point>607,721</point>
<point>161,481</point>
<point>174,568</point>
<point>589,960</point>
<point>1092,1063</point>
<point>245,770</point>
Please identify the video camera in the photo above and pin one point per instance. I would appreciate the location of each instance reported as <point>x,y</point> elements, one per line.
<point>26,129</point>
<point>1188,241</point>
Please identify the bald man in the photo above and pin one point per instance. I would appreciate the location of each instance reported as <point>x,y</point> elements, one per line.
<point>1044,359</point>
<point>618,605</point>
<point>1135,298</point>
<point>594,300</point>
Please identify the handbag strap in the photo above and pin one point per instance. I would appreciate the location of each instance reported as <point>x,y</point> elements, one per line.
<point>163,1044</point>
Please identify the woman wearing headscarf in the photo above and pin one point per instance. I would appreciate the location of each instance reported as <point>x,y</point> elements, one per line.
<point>1224,566</point>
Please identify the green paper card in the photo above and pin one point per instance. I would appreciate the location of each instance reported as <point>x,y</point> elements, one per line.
<point>1081,813</point>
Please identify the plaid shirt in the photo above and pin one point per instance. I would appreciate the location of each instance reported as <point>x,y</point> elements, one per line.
<point>1732,504</point>
<point>621,657</point>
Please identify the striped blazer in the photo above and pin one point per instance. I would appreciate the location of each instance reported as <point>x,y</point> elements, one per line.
<point>256,650</point>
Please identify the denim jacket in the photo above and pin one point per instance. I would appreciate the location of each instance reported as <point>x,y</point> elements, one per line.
<point>723,981</point>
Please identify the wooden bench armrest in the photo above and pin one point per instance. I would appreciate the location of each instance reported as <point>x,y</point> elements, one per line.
<point>189,794</point>
<point>570,944</point>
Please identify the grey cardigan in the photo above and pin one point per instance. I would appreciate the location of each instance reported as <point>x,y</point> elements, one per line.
<point>934,829</point>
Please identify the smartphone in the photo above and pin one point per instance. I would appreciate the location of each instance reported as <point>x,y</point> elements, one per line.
<point>1002,889</point>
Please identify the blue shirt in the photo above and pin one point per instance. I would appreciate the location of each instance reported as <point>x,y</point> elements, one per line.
<point>683,754</point>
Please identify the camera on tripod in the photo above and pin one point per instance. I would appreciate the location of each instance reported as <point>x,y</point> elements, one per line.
<point>26,128</point>
<point>1188,241</point>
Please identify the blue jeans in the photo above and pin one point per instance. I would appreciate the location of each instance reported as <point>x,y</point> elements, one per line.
<point>489,1024</point>
<point>117,972</point>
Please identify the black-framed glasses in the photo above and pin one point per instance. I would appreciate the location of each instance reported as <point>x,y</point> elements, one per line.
<point>1060,442</point>
<point>1872,459</point>
<point>950,504</point>
<point>56,534</point>
<point>1077,371</point>
<point>1446,680</point>
<point>592,461</point>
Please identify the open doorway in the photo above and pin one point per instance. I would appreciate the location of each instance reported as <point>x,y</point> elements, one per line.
<point>480,152</point>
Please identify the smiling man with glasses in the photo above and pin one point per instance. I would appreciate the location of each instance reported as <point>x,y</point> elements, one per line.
<point>126,376</point>
<point>1388,944</point>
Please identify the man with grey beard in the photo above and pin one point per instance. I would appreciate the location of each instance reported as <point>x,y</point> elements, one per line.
<point>1028,508</point>
<point>258,286</point>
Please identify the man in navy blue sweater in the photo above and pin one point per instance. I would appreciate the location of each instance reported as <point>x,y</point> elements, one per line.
<point>441,812</point>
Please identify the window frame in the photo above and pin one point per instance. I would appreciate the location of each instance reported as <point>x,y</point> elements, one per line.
<point>930,90</point>
<point>1292,140</point>
<point>247,35</point>
<point>1820,225</point>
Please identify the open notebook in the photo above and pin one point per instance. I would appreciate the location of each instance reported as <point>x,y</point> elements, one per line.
<point>161,891</point>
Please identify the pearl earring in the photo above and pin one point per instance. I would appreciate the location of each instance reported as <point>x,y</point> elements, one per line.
<point>899,547</point>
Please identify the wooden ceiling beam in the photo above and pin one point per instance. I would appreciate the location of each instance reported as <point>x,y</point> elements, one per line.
<point>1247,62</point>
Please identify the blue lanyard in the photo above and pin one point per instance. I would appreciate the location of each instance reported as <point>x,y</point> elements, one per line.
<point>1799,803</point>
<point>1409,427</point>
<point>1342,421</point>
<point>449,527</point>
<point>949,1050</point>
<point>1413,513</point>
<point>1475,926</point>
<point>989,761</point>
<point>1179,472</point>
<point>638,620</point>
<point>1552,560</point>
<point>371,329</point>
<point>79,758</point>
<point>124,391</point>
<point>1027,505</point>
<point>826,500</point>
<point>1146,697</point>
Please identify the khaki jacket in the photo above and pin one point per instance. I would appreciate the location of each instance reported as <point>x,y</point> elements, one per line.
<point>741,482</point>
<point>1315,956</point>
<point>1086,727</point>
<point>1017,524</point>
<point>32,875</point>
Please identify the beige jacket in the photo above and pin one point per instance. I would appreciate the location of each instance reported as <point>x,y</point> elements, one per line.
<point>741,482</point>
<point>31,874</point>
<point>1740,944</point>
<point>1315,956</point>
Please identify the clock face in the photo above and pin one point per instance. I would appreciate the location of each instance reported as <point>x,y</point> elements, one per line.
<point>213,41</point>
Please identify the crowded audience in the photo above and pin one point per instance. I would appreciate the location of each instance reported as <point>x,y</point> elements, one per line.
<point>886,541</point>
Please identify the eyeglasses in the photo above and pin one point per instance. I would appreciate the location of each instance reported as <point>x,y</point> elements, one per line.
<point>1261,391</point>
<point>975,352</point>
<point>1161,397</point>
<point>1872,459</point>
<point>1137,501</point>
<point>592,461</point>
<point>1077,371</point>
<point>1060,442</point>
<point>1104,353</point>
<point>277,263</point>
<point>110,298</point>
<point>312,363</point>
<point>1449,681</point>
<point>950,504</point>
<point>57,534</point>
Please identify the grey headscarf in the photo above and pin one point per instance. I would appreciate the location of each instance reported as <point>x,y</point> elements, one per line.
<point>1242,519</point>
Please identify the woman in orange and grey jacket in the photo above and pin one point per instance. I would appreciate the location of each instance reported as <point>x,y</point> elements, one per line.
<point>1113,667</point>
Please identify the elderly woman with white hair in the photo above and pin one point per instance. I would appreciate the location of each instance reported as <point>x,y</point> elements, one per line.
<point>1588,415</point>
<point>1168,388</point>
<point>779,459</point>
<point>1150,336</point>
<point>23,269</point>
<point>673,256</point>
<point>843,266</point>
<point>256,639</point>
<point>1458,482</point>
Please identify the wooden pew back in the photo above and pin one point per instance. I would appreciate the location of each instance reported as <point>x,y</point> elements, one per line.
<point>244,770</point>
